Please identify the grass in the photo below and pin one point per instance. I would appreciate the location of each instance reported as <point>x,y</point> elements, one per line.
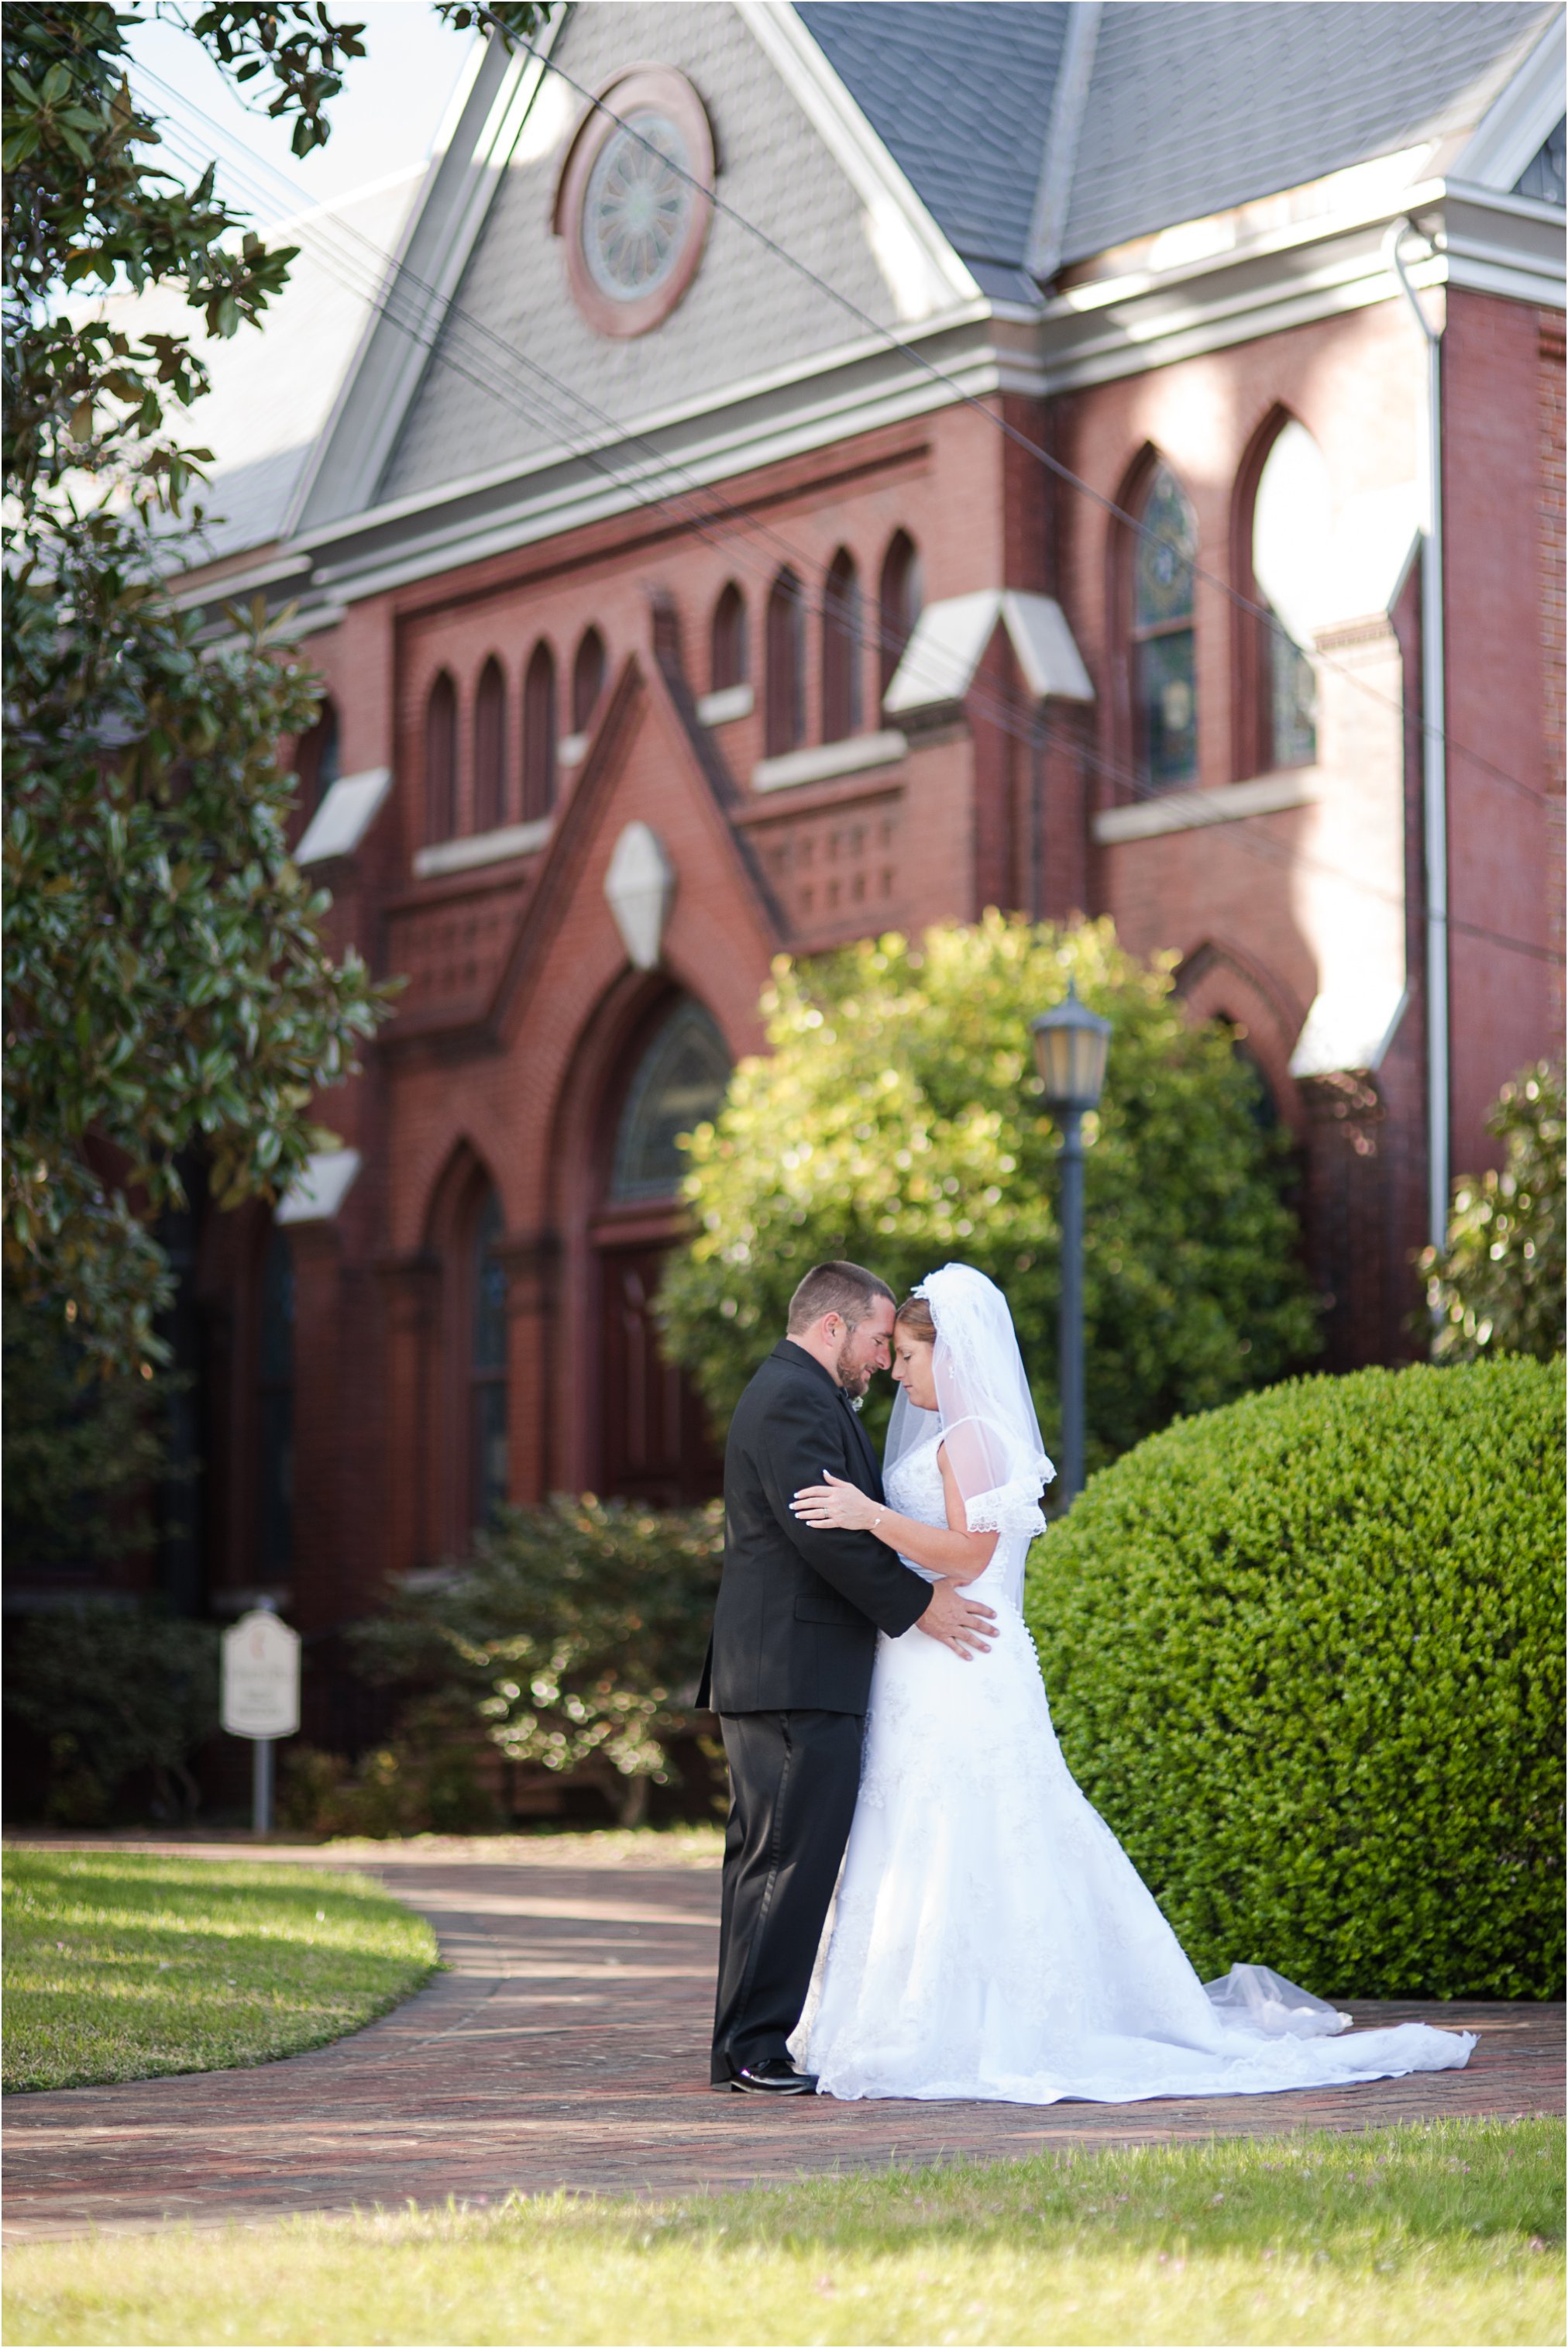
<point>1446,2232</point>
<point>121,1965</point>
<point>672,1846</point>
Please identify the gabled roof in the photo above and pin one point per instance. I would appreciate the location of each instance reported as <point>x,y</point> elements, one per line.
<point>1192,106</point>
<point>1194,109</point>
<point>962,96</point>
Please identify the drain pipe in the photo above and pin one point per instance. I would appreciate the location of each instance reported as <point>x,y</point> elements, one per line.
<point>1434,764</point>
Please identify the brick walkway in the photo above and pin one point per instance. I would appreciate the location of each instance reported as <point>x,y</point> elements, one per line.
<point>567,2047</point>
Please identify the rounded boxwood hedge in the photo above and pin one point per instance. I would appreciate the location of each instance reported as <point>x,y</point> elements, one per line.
<point>1305,1654</point>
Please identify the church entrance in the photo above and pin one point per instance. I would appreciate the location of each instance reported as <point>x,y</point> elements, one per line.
<point>655,1444</point>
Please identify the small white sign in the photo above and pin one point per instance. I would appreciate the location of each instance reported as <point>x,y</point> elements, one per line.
<point>261,1677</point>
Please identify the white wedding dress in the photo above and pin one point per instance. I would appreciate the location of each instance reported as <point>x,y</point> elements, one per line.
<point>989,1937</point>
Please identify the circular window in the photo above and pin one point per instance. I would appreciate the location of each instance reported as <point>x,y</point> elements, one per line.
<point>633,206</point>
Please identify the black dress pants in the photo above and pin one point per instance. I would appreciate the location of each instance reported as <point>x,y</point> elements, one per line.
<point>794,1778</point>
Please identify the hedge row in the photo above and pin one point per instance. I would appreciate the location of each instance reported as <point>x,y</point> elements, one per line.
<point>1305,1654</point>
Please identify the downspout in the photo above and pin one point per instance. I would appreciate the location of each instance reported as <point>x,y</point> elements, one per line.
<point>1434,766</point>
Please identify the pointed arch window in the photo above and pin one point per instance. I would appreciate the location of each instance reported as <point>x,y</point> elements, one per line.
<point>587,680</point>
<point>317,761</point>
<point>275,1411</point>
<point>841,634</point>
<point>900,595</point>
<point>785,726</point>
<point>1289,559</point>
<point>441,760</point>
<point>1164,643</point>
<point>490,749</point>
<point>487,1365</point>
<point>539,735</point>
<point>727,664</point>
<point>679,1083</point>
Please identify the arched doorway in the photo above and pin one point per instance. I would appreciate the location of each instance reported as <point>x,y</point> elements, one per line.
<point>654,1442</point>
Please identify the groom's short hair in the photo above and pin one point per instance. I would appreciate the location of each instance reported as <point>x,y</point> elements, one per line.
<point>847,1289</point>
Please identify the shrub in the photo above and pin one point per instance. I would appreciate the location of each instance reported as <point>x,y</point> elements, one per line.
<point>113,1691</point>
<point>574,1637</point>
<point>426,1781</point>
<point>1305,1654</point>
<point>899,1122</point>
<point>1499,1287</point>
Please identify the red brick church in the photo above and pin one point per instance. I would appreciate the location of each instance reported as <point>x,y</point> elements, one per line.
<point>709,522</point>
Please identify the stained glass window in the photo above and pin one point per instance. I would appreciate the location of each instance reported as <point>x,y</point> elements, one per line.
<point>490,749</point>
<point>637,206</point>
<point>1290,549</point>
<point>487,1364</point>
<point>727,664</point>
<point>1164,668</point>
<point>679,1083</point>
<point>785,714</point>
<point>441,760</point>
<point>841,651</point>
<point>900,595</point>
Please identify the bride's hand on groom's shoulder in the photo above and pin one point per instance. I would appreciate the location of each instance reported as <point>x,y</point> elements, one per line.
<point>835,1505</point>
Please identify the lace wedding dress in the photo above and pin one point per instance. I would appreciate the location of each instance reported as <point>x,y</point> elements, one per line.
<point>989,1937</point>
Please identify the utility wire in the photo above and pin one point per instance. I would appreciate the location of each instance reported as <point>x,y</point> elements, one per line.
<point>1257,611</point>
<point>427,328</point>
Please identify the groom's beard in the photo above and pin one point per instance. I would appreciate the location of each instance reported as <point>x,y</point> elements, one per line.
<point>854,1381</point>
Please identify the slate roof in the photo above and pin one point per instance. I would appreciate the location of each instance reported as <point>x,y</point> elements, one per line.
<point>1193,105</point>
<point>961,96</point>
<point>1194,109</point>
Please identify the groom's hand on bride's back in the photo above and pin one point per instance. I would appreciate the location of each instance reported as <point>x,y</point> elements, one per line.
<point>956,1622</point>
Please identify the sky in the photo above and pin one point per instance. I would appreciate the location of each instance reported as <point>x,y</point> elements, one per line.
<point>392,105</point>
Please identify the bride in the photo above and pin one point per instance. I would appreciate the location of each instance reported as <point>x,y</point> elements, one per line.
<point>989,1937</point>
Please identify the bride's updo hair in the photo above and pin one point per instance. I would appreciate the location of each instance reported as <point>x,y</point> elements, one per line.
<point>914,1317</point>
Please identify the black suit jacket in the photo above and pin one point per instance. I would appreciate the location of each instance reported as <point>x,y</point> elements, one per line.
<point>799,1609</point>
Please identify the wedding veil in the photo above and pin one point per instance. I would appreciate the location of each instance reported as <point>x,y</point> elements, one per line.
<point>985,1411</point>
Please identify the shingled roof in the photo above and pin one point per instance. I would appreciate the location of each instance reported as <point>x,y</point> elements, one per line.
<point>1192,106</point>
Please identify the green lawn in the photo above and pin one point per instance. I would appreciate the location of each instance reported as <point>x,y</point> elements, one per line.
<point>1445,2233</point>
<point>120,1965</point>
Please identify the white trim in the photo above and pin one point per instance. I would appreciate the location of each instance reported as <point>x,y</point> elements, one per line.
<point>317,1192</point>
<point>585,497</point>
<point>344,816</point>
<point>1195,811</point>
<point>1517,125</point>
<point>1070,101</point>
<point>949,643</point>
<point>1348,1028</point>
<point>571,749</point>
<point>722,708</point>
<point>819,366</point>
<point>900,225</point>
<point>442,230</point>
<point>826,763</point>
<point>481,848</point>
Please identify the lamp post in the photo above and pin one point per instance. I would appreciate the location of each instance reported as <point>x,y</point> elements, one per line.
<point>1071,1045</point>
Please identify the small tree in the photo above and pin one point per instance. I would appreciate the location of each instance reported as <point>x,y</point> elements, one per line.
<point>899,1122</point>
<point>168,984</point>
<point>573,1638</point>
<point>1498,1285</point>
<point>112,1691</point>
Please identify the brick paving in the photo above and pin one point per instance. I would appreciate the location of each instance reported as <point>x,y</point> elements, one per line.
<point>566,2047</point>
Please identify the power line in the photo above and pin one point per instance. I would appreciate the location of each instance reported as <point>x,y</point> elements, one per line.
<point>428,330</point>
<point>1258,611</point>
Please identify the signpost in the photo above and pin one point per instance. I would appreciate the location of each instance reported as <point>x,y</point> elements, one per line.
<point>261,1697</point>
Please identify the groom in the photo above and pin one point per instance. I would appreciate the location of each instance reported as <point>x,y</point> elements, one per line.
<point>789,1667</point>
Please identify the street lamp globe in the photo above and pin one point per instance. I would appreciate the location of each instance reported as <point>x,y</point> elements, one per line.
<point>1071,1045</point>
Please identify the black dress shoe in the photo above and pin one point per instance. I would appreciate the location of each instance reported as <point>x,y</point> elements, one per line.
<point>777,2077</point>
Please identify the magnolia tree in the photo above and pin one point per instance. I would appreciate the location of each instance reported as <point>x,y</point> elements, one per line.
<point>899,1122</point>
<point>1499,1287</point>
<point>169,996</point>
